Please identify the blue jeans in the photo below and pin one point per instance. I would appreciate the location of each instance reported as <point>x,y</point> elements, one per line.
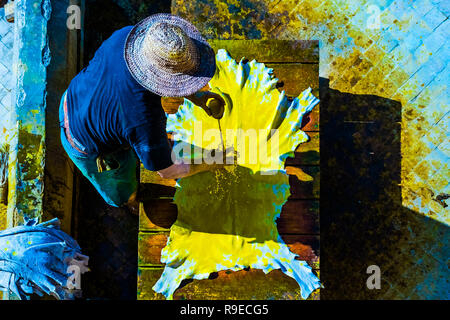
<point>116,185</point>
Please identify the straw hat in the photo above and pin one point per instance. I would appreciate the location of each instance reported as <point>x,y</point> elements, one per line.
<point>167,55</point>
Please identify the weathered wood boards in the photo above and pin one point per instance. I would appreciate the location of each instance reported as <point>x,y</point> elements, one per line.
<point>295,64</point>
<point>226,285</point>
<point>270,51</point>
<point>152,243</point>
<point>297,216</point>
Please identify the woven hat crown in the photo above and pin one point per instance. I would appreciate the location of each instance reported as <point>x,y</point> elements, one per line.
<point>169,48</point>
<point>168,56</point>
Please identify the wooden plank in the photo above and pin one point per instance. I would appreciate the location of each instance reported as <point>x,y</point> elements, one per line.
<point>304,182</point>
<point>226,285</point>
<point>270,50</point>
<point>155,191</point>
<point>307,153</point>
<point>307,247</point>
<point>157,215</point>
<point>151,244</point>
<point>297,216</point>
<point>296,77</point>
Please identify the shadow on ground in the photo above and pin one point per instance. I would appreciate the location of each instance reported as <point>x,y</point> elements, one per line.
<point>362,219</point>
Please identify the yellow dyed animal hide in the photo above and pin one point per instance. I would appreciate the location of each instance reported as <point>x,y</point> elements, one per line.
<point>226,218</point>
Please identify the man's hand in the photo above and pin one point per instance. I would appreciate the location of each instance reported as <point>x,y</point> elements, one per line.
<point>214,109</point>
<point>182,170</point>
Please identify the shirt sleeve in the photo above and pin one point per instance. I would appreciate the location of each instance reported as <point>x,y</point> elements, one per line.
<point>150,142</point>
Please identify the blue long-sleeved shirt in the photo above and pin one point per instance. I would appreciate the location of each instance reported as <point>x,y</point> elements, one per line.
<point>108,108</point>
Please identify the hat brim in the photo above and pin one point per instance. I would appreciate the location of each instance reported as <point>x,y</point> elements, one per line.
<point>158,81</point>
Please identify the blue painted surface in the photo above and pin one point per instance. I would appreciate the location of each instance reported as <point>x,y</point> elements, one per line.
<point>6,78</point>
<point>30,57</point>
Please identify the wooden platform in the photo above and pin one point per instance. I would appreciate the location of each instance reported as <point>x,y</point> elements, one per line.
<point>295,64</point>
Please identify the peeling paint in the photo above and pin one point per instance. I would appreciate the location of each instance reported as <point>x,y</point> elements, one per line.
<point>27,141</point>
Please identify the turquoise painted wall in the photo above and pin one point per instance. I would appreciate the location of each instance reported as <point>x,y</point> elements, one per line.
<point>6,78</point>
<point>27,146</point>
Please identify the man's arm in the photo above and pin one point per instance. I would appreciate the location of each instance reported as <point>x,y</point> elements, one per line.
<point>177,171</point>
<point>182,170</point>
